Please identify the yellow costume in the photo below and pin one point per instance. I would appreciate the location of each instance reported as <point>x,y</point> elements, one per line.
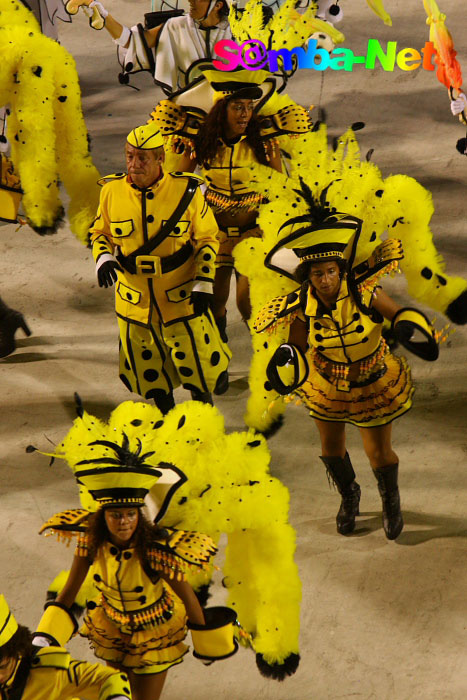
<point>163,343</point>
<point>51,673</point>
<point>337,339</point>
<point>138,621</point>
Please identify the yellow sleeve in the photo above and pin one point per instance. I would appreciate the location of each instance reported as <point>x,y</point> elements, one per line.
<point>204,238</point>
<point>96,682</point>
<point>100,236</point>
<point>181,552</point>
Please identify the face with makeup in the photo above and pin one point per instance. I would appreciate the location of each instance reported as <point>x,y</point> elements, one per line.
<point>326,279</point>
<point>121,524</point>
<point>239,113</point>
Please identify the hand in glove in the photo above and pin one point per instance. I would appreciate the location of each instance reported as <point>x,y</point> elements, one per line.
<point>459,105</point>
<point>283,354</point>
<point>201,302</point>
<point>107,273</point>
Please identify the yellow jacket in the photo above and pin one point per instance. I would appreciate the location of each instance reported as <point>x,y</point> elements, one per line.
<point>342,334</point>
<point>128,217</point>
<point>54,675</point>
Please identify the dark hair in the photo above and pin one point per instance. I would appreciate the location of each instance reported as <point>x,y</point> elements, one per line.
<point>19,645</point>
<point>302,272</point>
<point>207,144</point>
<point>143,539</point>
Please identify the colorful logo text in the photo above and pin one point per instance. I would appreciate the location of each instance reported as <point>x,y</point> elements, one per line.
<point>253,55</point>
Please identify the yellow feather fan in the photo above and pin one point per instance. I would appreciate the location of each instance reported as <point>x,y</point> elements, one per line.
<point>46,128</point>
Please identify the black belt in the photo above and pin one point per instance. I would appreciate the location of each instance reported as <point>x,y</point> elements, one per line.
<point>154,265</point>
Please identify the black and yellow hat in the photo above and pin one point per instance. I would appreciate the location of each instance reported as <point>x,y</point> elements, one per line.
<point>333,238</point>
<point>238,84</point>
<point>8,624</point>
<point>146,137</point>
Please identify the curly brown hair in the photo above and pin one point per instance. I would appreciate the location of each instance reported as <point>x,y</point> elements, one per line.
<point>143,539</point>
<point>19,645</point>
<point>212,130</point>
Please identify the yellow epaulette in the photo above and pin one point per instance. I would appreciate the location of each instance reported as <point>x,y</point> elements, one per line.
<point>383,260</point>
<point>110,178</point>
<point>71,521</point>
<point>277,309</point>
<point>51,657</point>
<point>182,551</point>
<point>179,173</point>
<point>292,120</point>
<point>172,118</point>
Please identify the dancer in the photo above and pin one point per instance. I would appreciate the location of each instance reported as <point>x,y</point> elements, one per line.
<point>342,369</point>
<point>223,485</point>
<point>165,239</point>
<point>137,622</point>
<point>35,667</point>
<point>228,142</point>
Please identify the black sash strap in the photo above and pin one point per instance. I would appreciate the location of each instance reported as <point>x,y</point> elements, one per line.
<point>129,261</point>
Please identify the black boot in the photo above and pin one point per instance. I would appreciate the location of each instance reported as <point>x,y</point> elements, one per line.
<point>10,321</point>
<point>340,470</point>
<point>203,396</point>
<point>389,491</point>
<point>221,323</point>
<point>164,402</point>
<point>222,383</point>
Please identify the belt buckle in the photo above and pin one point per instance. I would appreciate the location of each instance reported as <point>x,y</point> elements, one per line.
<point>233,231</point>
<point>149,265</point>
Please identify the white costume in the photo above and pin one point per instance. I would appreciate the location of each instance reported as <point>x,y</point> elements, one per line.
<point>180,43</point>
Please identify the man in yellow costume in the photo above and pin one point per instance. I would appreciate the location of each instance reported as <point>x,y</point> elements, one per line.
<point>156,238</point>
<point>36,667</point>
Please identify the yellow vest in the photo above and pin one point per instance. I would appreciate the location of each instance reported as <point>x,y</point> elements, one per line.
<point>128,217</point>
<point>342,334</point>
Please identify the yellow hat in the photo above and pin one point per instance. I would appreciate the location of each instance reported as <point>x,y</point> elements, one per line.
<point>214,640</point>
<point>146,137</point>
<point>322,234</point>
<point>8,624</point>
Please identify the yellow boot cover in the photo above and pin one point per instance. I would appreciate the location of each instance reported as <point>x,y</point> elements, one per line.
<point>214,640</point>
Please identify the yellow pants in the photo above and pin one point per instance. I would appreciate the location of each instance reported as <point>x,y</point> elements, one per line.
<point>155,360</point>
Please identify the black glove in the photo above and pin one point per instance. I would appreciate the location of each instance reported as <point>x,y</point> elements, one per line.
<point>107,273</point>
<point>201,302</point>
<point>283,354</point>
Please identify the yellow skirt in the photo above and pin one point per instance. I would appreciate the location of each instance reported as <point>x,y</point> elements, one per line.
<point>366,405</point>
<point>151,649</point>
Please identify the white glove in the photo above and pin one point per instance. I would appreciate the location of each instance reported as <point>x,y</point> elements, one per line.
<point>459,105</point>
<point>40,641</point>
<point>99,6</point>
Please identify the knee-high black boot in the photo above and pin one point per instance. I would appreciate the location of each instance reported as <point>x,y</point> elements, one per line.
<point>340,470</point>
<point>10,321</point>
<point>389,491</point>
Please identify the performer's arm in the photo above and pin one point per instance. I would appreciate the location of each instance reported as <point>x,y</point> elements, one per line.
<point>189,599</point>
<point>78,571</point>
<point>298,334</point>
<point>383,303</point>
<point>119,31</point>
<point>96,682</point>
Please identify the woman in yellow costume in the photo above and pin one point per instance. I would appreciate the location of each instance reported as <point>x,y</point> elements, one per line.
<point>223,485</point>
<point>336,361</point>
<point>138,621</point>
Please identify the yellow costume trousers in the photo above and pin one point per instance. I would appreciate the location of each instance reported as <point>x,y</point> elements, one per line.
<point>155,359</point>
